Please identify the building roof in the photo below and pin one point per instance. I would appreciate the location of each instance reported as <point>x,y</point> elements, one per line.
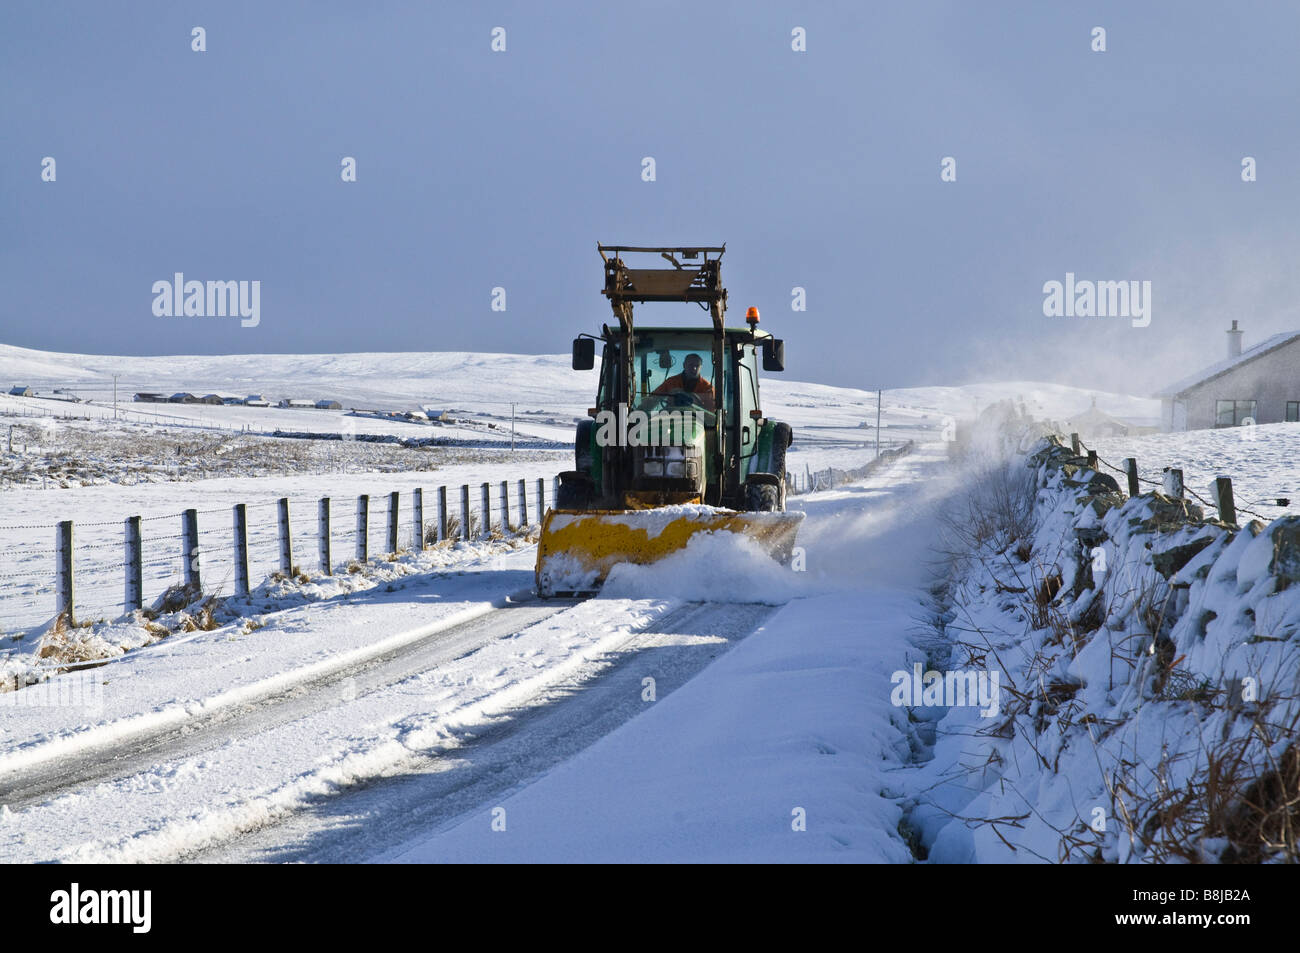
<point>1095,417</point>
<point>1178,388</point>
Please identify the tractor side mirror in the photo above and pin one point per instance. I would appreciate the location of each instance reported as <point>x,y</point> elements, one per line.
<point>773,355</point>
<point>584,354</point>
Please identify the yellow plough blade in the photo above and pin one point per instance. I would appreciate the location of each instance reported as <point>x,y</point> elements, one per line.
<point>579,548</point>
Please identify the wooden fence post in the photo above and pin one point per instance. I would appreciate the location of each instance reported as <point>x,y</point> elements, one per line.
<point>505,506</point>
<point>1092,459</point>
<point>1131,469</point>
<point>323,535</point>
<point>417,517</point>
<point>555,488</point>
<point>1174,482</point>
<point>486,508</point>
<point>523,502</point>
<point>63,569</point>
<point>240,517</point>
<point>190,548</point>
<point>393,507</point>
<point>442,513</point>
<point>363,528</point>
<point>134,565</point>
<point>464,511</point>
<point>541,499</point>
<point>286,540</point>
<point>1223,499</point>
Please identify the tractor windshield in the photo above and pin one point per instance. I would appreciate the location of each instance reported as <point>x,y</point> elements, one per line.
<point>676,375</point>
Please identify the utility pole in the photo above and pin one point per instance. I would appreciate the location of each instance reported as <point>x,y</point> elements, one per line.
<point>512,425</point>
<point>115,376</point>
<point>879,393</point>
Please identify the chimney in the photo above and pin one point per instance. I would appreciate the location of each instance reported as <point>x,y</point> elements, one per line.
<point>1234,341</point>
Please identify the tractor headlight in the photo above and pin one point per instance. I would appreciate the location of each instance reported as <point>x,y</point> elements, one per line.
<point>672,462</point>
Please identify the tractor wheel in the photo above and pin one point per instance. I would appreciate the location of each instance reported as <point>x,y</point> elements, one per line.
<point>574,492</point>
<point>582,446</point>
<point>762,493</point>
<point>782,437</point>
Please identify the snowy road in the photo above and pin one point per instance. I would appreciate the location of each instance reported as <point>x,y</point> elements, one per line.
<point>303,699</point>
<point>345,759</point>
<point>431,790</point>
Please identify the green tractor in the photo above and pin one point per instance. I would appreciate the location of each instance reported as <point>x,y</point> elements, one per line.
<point>677,443</point>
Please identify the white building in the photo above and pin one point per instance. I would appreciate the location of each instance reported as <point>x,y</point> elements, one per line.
<point>1260,384</point>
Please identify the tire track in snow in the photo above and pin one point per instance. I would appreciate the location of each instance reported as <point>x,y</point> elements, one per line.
<point>364,821</point>
<point>208,728</point>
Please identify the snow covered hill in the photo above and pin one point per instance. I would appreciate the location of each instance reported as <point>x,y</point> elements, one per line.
<point>548,395</point>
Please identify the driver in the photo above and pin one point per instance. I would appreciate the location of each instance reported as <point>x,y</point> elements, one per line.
<point>688,380</point>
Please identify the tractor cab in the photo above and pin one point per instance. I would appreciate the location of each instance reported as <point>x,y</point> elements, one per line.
<point>678,417</point>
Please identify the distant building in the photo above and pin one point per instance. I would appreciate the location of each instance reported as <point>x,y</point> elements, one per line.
<point>1097,423</point>
<point>183,398</point>
<point>295,403</point>
<point>150,397</point>
<point>1260,384</point>
<point>18,390</point>
<point>328,405</point>
<point>256,400</point>
<point>215,399</point>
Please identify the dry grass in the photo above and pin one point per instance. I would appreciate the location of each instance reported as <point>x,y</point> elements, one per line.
<point>62,644</point>
<point>997,511</point>
<point>1248,813</point>
<point>295,575</point>
<point>454,528</point>
<point>202,619</point>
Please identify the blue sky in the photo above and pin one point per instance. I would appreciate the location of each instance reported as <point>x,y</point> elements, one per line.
<point>819,169</point>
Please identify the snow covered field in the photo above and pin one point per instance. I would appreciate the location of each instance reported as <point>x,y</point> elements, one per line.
<point>833,425</point>
<point>427,708</point>
<point>1262,462</point>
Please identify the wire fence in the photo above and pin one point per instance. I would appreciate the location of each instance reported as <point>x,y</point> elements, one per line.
<point>812,481</point>
<point>78,410</point>
<point>105,568</point>
<point>1223,500</point>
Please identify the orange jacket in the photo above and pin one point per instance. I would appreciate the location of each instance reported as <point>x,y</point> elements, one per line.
<point>676,383</point>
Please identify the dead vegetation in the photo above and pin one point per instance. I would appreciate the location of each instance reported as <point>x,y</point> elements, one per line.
<point>1236,800</point>
<point>995,512</point>
<point>66,453</point>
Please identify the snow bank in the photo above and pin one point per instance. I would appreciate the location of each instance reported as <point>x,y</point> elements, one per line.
<point>1150,656</point>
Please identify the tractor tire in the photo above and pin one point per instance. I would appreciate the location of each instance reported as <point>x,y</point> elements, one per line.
<point>574,492</point>
<point>582,446</point>
<point>762,493</point>
<point>782,437</point>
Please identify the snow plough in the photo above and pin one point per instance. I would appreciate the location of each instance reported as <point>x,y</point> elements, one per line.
<point>677,443</point>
